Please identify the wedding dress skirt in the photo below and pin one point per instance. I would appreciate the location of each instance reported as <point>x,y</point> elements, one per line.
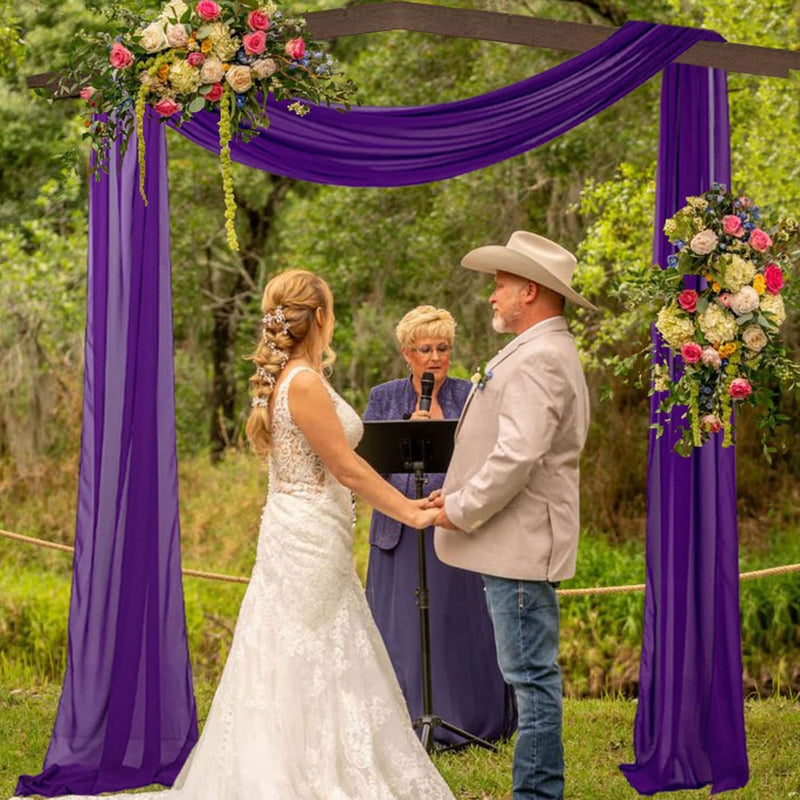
<point>308,706</point>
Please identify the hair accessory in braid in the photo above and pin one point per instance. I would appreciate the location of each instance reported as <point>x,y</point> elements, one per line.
<point>282,354</point>
<point>275,317</point>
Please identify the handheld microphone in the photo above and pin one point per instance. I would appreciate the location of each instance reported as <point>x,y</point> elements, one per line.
<point>427,391</point>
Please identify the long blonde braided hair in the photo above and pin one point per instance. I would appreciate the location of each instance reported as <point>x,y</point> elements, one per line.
<point>293,303</point>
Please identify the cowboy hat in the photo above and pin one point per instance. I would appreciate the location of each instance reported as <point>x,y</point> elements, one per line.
<point>532,257</point>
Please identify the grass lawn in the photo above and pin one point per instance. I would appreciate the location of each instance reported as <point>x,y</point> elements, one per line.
<point>597,737</point>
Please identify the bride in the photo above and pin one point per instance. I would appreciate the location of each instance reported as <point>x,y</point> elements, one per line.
<point>308,706</point>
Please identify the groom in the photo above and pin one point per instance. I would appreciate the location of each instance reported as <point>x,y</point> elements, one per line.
<point>510,498</point>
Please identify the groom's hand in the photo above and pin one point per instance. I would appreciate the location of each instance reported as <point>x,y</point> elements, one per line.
<point>442,520</point>
<point>435,499</point>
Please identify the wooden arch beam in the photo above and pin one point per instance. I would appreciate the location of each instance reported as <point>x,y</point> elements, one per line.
<point>494,26</point>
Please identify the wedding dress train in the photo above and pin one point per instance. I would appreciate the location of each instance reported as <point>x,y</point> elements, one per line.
<point>308,706</point>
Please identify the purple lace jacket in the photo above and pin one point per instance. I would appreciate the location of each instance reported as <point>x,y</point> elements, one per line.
<point>397,400</point>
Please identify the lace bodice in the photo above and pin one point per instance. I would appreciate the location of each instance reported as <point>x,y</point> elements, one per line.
<point>294,467</point>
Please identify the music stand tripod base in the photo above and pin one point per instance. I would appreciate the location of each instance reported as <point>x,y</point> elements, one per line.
<point>418,447</point>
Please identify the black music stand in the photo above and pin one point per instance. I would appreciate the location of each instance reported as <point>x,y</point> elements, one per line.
<point>418,447</point>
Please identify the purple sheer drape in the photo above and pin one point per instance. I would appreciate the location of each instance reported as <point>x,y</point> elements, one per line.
<point>690,723</point>
<point>126,716</point>
<point>403,146</point>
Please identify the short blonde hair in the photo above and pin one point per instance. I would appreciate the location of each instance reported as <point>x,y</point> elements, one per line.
<point>425,322</point>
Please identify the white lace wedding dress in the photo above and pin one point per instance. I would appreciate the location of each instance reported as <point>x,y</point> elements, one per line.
<point>308,706</point>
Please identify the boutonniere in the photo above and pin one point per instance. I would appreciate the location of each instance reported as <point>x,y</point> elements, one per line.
<point>482,376</point>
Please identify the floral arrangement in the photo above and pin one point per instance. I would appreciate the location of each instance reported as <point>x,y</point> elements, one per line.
<point>481,376</point>
<point>223,56</point>
<point>722,306</point>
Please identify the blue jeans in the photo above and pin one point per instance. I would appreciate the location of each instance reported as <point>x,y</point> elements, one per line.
<point>525,619</point>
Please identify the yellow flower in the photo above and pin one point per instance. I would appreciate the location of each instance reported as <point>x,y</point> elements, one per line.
<point>163,72</point>
<point>206,46</point>
<point>715,286</point>
<point>759,283</point>
<point>727,349</point>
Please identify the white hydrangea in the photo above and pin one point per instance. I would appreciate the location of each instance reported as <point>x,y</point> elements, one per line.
<point>717,324</point>
<point>675,326</point>
<point>773,304</point>
<point>183,77</point>
<point>223,44</point>
<point>738,273</point>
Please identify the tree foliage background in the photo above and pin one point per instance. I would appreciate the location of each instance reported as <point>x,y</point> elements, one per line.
<point>382,250</point>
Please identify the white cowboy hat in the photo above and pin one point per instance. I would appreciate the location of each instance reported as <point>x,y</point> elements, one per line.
<point>533,257</point>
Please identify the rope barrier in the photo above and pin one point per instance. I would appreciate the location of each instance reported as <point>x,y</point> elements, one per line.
<point>582,592</point>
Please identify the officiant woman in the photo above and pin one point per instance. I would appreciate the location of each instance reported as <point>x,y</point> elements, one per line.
<point>467,687</point>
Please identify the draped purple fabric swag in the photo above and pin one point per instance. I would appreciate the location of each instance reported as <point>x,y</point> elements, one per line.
<point>689,728</point>
<point>126,715</point>
<point>412,145</point>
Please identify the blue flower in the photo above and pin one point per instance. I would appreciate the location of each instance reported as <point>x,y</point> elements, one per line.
<point>241,99</point>
<point>672,261</point>
<point>680,244</point>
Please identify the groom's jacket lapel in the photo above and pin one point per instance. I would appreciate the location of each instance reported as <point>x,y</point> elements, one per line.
<point>553,325</point>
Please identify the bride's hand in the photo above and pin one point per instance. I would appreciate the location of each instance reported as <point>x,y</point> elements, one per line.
<point>420,517</point>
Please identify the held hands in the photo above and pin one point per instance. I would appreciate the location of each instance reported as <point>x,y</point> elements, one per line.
<point>435,501</point>
<point>423,514</point>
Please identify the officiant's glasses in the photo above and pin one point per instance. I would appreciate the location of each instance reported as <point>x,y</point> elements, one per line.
<point>427,351</point>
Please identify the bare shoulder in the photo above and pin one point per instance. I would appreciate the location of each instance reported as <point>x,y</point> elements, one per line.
<point>305,382</point>
<point>309,400</point>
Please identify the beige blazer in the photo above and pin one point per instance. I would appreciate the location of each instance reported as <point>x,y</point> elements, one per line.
<point>512,486</point>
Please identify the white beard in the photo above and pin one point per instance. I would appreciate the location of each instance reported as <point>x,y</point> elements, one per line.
<point>506,324</point>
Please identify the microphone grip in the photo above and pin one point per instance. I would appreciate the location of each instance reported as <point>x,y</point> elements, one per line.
<point>426,382</point>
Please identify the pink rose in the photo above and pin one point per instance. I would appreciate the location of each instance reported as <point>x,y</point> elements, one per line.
<point>773,275</point>
<point>254,43</point>
<point>166,106</point>
<point>258,20</point>
<point>120,57</point>
<point>295,48</point>
<point>207,10</point>
<point>87,92</point>
<point>214,93</point>
<point>691,352</point>
<point>760,241</point>
<point>711,423</point>
<point>688,300</point>
<point>196,59</point>
<point>740,388</point>
<point>732,225</point>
